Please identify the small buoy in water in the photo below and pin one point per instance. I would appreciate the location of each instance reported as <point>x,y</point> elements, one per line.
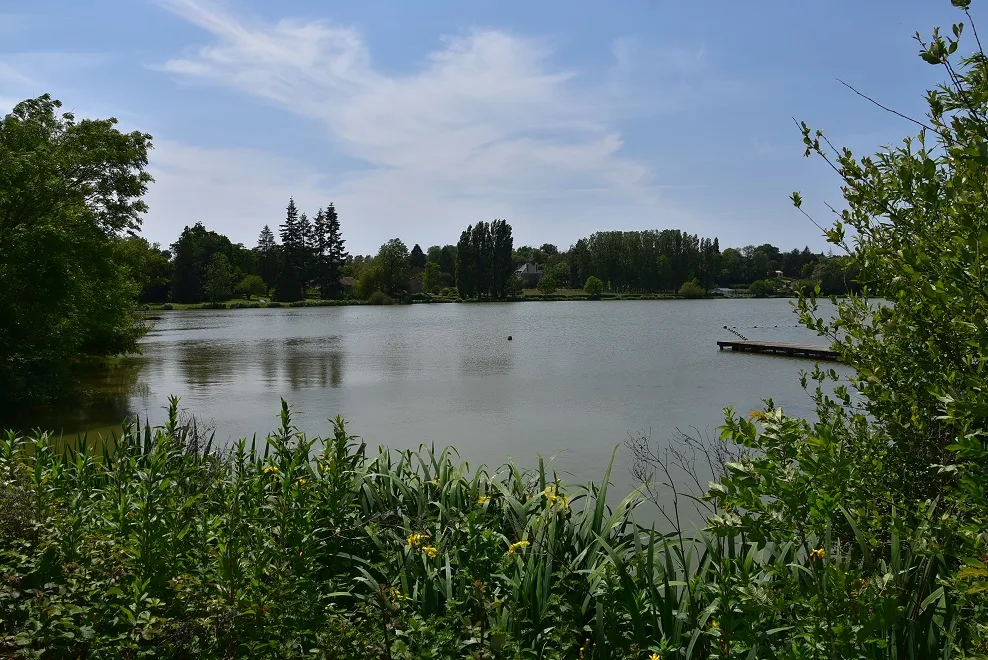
<point>725,327</point>
<point>509,337</point>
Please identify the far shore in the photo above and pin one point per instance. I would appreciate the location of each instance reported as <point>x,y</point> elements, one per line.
<point>563,295</point>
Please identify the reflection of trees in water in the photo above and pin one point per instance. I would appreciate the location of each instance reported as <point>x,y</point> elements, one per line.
<point>102,402</point>
<point>303,362</point>
<point>204,363</point>
<point>314,362</point>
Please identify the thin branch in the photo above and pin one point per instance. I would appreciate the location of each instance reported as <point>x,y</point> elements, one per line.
<point>974,29</point>
<point>894,112</point>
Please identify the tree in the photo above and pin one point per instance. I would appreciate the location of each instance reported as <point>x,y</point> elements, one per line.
<point>547,284</point>
<point>434,254</point>
<point>548,249</point>
<point>515,287</point>
<point>432,278</point>
<point>447,262</point>
<point>692,290</point>
<point>502,268</point>
<point>267,253</point>
<point>218,278</point>
<point>289,286</point>
<point>193,252</point>
<point>593,287</point>
<point>336,254</point>
<point>252,285</point>
<point>395,264</point>
<point>418,257</point>
<point>466,265</point>
<point>68,190</point>
<point>149,266</point>
<point>761,288</point>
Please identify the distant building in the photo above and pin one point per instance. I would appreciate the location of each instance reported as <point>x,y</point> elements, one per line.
<point>530,273</point>
<point>346,283</point>
<point>727,293</point>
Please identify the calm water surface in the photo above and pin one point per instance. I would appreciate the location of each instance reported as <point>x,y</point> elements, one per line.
<point>577,376</point>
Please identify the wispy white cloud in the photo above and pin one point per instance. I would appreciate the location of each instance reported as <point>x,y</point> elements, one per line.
<point>486,125</point>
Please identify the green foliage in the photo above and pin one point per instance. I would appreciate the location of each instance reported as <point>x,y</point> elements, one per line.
<point>692,290</point>
<point>219,279</point>
<point>395,265</point>
<point>762,288</point>
<point>68,189</point>
<point>483,260</point>
<point>432,279</point>
<point>380,298</point>
<point>289,286</point>
<point>417,257</point>
<point>252,285</point>
<point>150,268</point>
<point>514,287</point>
<point>547,284</point>
<point>153,544</point>
<point>593,287</point>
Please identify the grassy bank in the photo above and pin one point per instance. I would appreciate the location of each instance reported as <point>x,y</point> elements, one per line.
<point>298,547</point>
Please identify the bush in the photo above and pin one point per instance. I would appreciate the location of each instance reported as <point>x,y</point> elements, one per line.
<point>380,298</point>
<point>547,284</point>
<point>274,305</point>
<point>245,305</point>
<point>212,305</point>
<point>761,288</point>
<point>167,307</point>
<point>593,287</point>
<point>692,290</point>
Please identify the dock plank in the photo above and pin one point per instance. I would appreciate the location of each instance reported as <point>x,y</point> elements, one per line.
<point>780,348</point>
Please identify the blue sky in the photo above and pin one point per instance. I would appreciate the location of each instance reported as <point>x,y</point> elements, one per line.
<point>419,117</point>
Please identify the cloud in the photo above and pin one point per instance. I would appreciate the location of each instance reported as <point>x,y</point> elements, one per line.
<point>487,125</point>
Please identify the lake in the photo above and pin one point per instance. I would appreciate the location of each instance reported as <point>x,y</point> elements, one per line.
<point>576,376</point>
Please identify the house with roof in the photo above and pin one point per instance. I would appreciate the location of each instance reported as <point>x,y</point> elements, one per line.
<point>529,273</point>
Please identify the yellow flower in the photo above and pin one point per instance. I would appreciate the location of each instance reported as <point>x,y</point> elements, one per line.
<point>431,550</point>
<point>655,656</point>
<point>819,553</point>
<point>417,539</point>
<point>715,624</point>
<point>483,500</point>
<point>518,546</point>
<point>301,482</point>
<point>271,468</point>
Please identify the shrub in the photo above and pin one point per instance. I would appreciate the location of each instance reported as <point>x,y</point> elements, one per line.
<point>380,298</point>
<point>212,305</point>
<point>692,290</point>
<point>167,307</point>
<point>245,305</point>
<point>761,288</point>
<point>593,287</point>
<point>274,305</point>
<point>547,284</point>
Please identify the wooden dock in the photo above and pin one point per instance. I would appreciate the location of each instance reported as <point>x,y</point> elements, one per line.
<point>780,348</point>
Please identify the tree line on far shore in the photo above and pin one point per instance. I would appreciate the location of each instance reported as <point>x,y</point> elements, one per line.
<point>311,261</point>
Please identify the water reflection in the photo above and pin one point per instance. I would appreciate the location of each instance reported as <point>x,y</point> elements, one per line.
<point>312,362</point>
<point>207,363</point>
<point>102,402</point>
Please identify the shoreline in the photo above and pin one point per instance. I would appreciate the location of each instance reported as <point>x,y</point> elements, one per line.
<point>437,300</point>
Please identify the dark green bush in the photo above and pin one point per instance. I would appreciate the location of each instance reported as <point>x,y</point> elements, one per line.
<point>380,298</point>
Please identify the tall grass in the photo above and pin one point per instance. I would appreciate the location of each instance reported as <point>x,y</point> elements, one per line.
<point>155,544</point>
